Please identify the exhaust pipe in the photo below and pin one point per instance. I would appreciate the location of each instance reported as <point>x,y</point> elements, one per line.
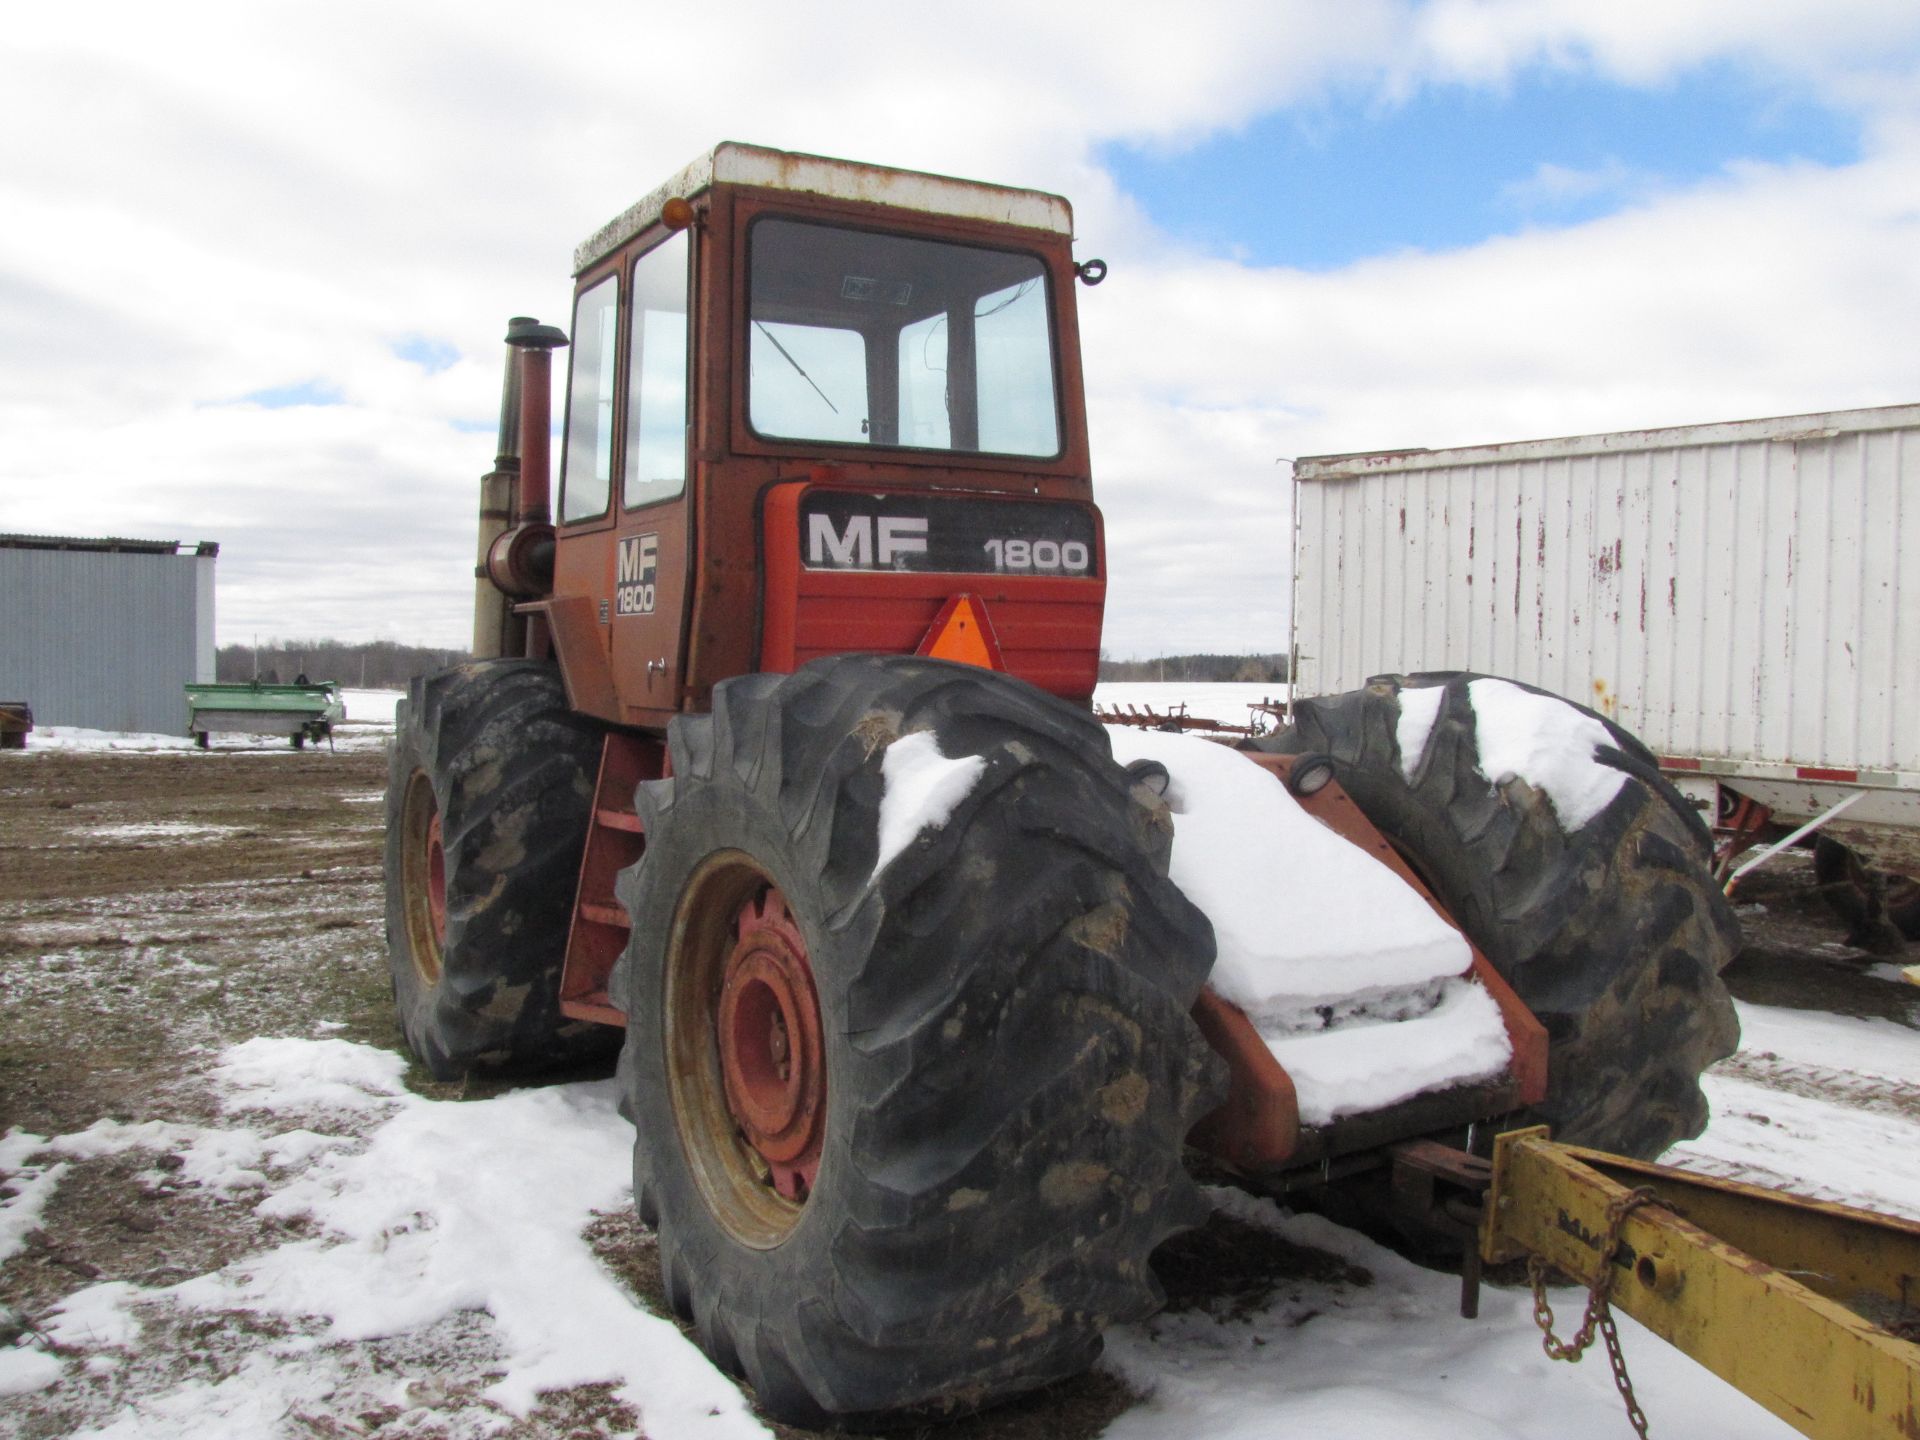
<point>497,630</point>
<point>518,557</point>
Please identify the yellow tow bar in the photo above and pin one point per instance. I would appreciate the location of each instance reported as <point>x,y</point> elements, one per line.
<point>1802,1305</point>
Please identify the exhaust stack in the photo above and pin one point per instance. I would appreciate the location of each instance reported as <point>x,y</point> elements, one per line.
<point>516,515</point>
<point>497,630</point>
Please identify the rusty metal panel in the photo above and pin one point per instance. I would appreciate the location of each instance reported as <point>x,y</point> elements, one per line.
<point>1743,593</point>
<point>105,634</point>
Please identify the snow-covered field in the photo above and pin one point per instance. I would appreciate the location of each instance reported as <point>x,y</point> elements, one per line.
<point>434,1266</point>
<point>369,722</point>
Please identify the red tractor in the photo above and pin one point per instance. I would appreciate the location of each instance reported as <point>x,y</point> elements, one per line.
<point>912,1108</point>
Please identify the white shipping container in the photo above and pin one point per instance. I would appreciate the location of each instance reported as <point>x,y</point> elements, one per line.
<point>1745,597</point>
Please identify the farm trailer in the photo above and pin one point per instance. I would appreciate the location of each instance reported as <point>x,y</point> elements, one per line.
<point>1742,596</point>
<point>779,775</point>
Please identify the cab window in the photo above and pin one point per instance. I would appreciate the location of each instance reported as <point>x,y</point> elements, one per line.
<point>587,479</point>
<point>865,338</point>
<point>657,397</point>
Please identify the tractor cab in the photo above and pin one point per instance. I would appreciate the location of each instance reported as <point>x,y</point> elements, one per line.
<point>814,407</point>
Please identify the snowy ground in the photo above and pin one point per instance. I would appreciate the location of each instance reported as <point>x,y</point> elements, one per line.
<point>372,1255</point>
<point>369,721</point>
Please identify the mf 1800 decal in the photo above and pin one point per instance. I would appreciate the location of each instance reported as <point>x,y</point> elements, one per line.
<point>945,535</point>
<point>636,564</point>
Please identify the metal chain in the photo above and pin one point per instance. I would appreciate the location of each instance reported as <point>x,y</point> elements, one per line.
<point>1599,1315</point>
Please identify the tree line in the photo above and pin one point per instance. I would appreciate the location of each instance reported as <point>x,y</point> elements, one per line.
<point>385,665</point>
<point>1247,669</point>
<point>364,665</point>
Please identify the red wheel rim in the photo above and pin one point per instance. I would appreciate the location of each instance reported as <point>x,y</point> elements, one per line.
<point>772,1059</point>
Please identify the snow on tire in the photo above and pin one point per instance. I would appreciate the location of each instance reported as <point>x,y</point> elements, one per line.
<point>1610,928</point>
<point>907,1137</point>
<point>489,785</point>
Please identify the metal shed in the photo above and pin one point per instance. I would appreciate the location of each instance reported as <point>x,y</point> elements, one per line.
<point>105,633</point>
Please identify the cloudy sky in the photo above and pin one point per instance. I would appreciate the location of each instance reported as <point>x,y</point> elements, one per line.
<point>256,258</point>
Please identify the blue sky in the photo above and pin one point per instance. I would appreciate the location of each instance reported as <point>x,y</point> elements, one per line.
<point>1321,186</point>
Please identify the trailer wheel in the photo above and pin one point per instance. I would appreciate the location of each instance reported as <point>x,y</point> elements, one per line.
<point>1882,911</point>
<point>489,785</point>
<point>907,1137</point>
<point>1614,935</point>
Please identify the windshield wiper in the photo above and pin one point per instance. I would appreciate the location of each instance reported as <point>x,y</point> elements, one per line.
<point>798,368</point>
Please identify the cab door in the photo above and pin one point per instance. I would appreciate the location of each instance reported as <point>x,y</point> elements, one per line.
<point>653,529</point>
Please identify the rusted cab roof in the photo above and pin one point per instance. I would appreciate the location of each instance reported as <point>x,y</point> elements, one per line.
<point>734,164</point>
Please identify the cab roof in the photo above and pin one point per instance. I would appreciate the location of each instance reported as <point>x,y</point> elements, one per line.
<point>730,163</point>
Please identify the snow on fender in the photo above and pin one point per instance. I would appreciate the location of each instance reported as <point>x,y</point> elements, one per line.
<point>1319,943</point>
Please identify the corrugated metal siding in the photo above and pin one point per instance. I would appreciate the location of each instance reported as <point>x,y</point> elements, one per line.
<point>105,639</point>
<point>1746,592</point>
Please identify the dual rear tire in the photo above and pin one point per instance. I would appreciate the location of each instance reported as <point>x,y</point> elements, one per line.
<point>1612,932</point>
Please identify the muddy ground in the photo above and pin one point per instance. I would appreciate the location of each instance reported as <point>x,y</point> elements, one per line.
<point>155,908</point>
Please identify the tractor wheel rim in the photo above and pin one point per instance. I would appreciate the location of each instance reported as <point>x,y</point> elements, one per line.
<point>436,881</point>
<point>772,1058</point>
<point>745,1056</point>
<point>423,878</point>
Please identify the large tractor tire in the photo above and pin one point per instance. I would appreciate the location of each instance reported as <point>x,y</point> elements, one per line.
<point>1614,934</point>
<point>907,1137</point>
<point>489,786</point>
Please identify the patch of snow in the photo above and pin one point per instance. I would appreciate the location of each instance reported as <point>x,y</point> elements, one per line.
<point>1867,1046</point>
<point>96,1317</point>
<point>447,1211</point>
<point>1360,1067</point>
<point>270,1073</point>
<point>1339,1360</point>
<point>371,707</point>
<point>159,830</point>
<point>1313,931</point>
<point>1419,713</point>
<point>922,788</point>
<point>1819,1104</point>
<point>24,1368</point>
<point>220,1160</point>
<point>76,737</point>
<point>33,1185</point>
<point>368,726</point>
<point>266,1388</point>
<point>1547,743</point>
<point>1299,914</point>
<point>1823,1147</point>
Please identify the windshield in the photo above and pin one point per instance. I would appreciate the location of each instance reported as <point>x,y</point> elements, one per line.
<point>861,338</point>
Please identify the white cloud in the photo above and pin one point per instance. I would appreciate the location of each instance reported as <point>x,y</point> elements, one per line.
<point>203,205</point>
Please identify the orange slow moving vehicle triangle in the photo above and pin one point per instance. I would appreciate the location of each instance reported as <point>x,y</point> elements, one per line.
<point>962,632</point>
